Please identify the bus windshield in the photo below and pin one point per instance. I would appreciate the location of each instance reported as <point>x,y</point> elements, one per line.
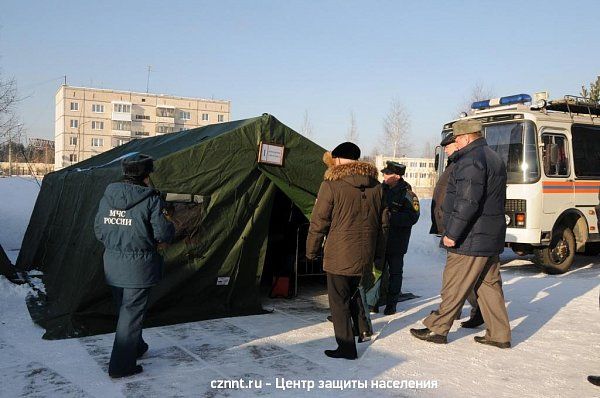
<point>515,142</point>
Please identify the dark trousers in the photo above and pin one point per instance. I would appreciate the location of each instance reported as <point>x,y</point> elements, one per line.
<point>345,309</point>
<point>395,263</point>
<point>131,305</point>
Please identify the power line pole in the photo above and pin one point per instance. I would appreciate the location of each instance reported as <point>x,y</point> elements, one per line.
<point>148,79</point>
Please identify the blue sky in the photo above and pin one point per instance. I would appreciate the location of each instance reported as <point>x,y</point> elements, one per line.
<point>287,57</point>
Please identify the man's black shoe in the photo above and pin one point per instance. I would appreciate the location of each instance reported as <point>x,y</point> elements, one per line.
<point>329,318</point>
<point>364,336</point>
<point>339,354</point>
<point>374,309</point>
<point>484,340</point>
<point>595,380</point>
<point>142,350</point>
<point>390,309</point>
<point>473,322</point>
<point>427,335</point>
<point>138,369</point>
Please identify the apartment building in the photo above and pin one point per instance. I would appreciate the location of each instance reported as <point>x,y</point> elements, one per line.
<point>420,173</point>
<point>90,121</point>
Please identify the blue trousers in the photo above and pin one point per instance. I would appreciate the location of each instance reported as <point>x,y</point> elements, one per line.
<point>131,304</point>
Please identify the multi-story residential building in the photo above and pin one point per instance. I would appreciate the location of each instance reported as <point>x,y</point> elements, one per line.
<point>90,121</point>
<point>420,173</point>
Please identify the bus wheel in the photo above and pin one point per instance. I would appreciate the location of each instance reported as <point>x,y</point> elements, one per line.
<point>558,257</point>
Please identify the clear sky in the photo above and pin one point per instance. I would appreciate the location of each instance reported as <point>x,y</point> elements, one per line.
<point>286,57</point>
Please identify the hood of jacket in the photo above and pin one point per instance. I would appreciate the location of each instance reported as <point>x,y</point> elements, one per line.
<point>123,196</point>
<point>357,174</point>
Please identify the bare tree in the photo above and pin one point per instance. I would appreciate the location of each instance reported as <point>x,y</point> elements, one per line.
<point>479,92</point>
<point>306,127</point>
<point>593,92</point>
<point>352,134</point>
<point>8,99</point>
<point>395,139</point>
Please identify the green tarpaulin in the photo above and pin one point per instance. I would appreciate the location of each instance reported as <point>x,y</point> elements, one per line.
<point>214,267</point>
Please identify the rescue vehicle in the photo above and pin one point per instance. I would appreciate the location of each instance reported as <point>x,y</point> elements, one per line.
<point>551,149</point>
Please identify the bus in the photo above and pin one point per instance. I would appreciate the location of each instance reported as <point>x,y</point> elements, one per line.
<point>551,149</point>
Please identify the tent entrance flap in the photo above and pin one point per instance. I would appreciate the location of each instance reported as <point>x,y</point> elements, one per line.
<point>285,260</point>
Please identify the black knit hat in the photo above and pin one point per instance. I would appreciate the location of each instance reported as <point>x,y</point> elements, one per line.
<point>138,166</point>
<point>346,150</point>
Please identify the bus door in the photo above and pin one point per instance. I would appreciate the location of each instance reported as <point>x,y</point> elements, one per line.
<point>558,187</point>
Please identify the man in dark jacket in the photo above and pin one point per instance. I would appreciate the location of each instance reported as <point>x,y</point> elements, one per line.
<point>349,211</point>
<point>437,220</point>
<point>403,207</point>
<point>474,237</point>
<point>131,225</point>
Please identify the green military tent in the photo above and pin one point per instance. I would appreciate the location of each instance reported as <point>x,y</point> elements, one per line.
<point>229,209</point>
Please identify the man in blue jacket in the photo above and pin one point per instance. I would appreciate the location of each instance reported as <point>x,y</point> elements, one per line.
<point>131,225</point>
<point>474,232</point>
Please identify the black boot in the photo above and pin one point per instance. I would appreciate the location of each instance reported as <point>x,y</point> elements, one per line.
<point>339,354</point>
<point>142,350</point>
<point>390,309</point>
<point>473,322</point>
<point>374,309</point>
<point>595,380</point>
<point>427,335</point>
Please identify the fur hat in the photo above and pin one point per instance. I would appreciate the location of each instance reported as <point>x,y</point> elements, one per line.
<point>466,126</point>
<point>138,166</point>
<point>346,150</point>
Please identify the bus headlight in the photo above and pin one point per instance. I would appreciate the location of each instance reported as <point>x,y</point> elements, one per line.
<point>507,218</point>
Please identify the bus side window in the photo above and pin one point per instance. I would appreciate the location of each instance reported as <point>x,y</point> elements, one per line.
<point>556,161</point>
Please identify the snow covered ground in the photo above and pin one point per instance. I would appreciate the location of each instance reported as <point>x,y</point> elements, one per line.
<point>555,322</point>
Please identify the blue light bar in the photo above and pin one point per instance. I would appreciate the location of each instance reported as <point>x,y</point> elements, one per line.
<point>511,99</point>
<point>480,104</point>
<point>515,99</point>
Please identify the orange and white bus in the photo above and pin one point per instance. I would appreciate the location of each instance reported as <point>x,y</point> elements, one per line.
<point>552,154</point>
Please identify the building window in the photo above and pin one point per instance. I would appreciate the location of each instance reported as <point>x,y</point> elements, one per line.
<point>143,133</point>
<point>162,129</point>
<point>74,123</point>
<point>122,108</point>
<point>220,118</point>
<point>205,116</point>
<point>142,117</point>
<point>97,141</point>
<point>72,141</point>
<point>165,112</point>
<point>74,106</point>
<point>97,108</point>
<point>121,125</point>
<point>97,125</point>
<point>120,141</point>
<point>72,158</point>
<point>183,115</point>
